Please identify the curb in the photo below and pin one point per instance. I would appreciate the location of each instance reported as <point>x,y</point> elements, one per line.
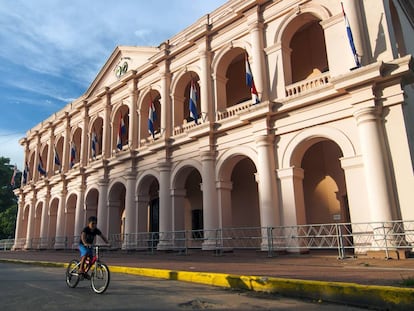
<point>368,296</point>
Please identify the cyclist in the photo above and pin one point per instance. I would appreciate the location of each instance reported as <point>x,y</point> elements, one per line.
<point>87,238</point>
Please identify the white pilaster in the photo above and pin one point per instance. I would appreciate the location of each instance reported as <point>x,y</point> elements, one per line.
<point>258,64</point>
<point>130,211</point>
<point>30,222</point>
<point>60,239</point>
<point>44,224</point>
<point>165,205</point>
<point>102,213</point>
<point>374,163</point>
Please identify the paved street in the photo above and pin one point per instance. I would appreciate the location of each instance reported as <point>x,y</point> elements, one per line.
<point>27,287</point>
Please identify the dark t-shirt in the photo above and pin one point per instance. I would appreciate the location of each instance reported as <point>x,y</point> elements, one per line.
<point>90,235</point>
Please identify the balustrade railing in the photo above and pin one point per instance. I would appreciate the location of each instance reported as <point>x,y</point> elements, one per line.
<point>308,85</point>
<point>344,238</point>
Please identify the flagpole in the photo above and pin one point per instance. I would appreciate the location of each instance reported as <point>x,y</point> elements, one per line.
<point>351,39</point>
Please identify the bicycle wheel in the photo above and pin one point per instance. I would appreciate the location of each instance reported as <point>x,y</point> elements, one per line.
<point>72,276</point>
<point>100,278</point>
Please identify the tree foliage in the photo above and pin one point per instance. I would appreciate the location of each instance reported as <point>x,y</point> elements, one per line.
<point>8,201</point>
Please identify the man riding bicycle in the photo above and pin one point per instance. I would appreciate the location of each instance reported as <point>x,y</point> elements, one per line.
<point>87,238</point>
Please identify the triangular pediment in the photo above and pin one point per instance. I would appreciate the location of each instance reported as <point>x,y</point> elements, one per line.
<point>122,60</point>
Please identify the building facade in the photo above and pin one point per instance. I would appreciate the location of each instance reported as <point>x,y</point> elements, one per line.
<point>331,140</point>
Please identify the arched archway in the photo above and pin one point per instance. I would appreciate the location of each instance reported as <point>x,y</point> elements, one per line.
<point>53,211</point>
<point>95,139</point>
<point>188,202</point>
<point>91,203</point>
<point>152,97</point>
<point>37,223</point>
<point>324,186</point>
<point>116,207</point>
<point>120,132</point>
<point>239,193</point>
<point>75,147</point>
<point>181,98</point>
<point>148,216</point>
<point>70,212</point>
<point>230,79</point>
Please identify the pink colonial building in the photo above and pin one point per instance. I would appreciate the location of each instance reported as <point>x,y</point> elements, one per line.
<point>330,142</point>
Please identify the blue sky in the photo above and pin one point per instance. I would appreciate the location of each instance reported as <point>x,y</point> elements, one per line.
<point>51,50</point>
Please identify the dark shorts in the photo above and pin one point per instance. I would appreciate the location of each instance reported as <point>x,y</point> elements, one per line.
<point>85,251</point>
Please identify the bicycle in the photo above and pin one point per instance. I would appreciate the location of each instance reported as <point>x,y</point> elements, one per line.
<point>99,273</point>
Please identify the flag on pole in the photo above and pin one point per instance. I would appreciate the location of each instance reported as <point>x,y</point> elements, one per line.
<point>72,155</point>
<point>40,167</point>
<point>57,159</point>
<point>152,116</point>
<point>350,38</point>
<point>250,84</point>
<point>25,174</point>
<point>121,132</point>
<point>94,143</point>
<point>12,181</point>
<point>193,102</point>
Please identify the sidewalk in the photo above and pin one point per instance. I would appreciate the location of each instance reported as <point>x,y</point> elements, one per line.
<point>315,269</point>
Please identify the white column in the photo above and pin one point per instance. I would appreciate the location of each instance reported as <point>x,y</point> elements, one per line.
<point>224,189</point>
<point>84,144</point>
<point>166,117</point>
<point>293,203</point>
<point>66,145</point>
<point>30,222</point>
<point>178,214</point>
<point>142,213</point>
<point>60,239</point>
<point>178,217</point>
<point>207,108</point>
<point>102,214</point>
<point>51,152</point>
<point>36,173</point>
<point>19,220</point>
<point>258,64</point>
<point>133,115</point>
<point>80,220</point>
<point>266,178</point>
<point>130,211</point>
<point>165,205</point>
<point>373,155</point>
<point>44,224</point>
<point>210,200</point>
<point>106,132</point>
<point>352,9</point>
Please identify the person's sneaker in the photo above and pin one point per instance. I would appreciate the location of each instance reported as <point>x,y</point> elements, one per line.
<point>86,276</point>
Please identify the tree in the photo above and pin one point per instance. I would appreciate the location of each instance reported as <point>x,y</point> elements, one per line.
<point>8,201</point>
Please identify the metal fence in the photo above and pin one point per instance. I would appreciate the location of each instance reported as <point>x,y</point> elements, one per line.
<point>347,239</point>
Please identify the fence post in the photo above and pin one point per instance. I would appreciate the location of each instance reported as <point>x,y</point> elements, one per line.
<point>269,242</point>
<point>387,256</point>
<point>341,250</point>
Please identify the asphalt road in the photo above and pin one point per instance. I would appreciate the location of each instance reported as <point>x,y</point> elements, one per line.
<point>27,287</point>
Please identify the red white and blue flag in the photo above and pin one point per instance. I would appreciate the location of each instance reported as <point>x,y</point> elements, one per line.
<point>93,144</point>
<point>152,116</point>
<point>121,133</point>
<point>193,102</point>
<point>72,155</point>
<point>12,181</point>
<point>40,167</point>
<point>57,160</point>
<point>250,84</point>
<point>351,38</point>
<point>25,174</point>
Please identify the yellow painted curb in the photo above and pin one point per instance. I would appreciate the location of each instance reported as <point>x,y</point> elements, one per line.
<point>382,297</point>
